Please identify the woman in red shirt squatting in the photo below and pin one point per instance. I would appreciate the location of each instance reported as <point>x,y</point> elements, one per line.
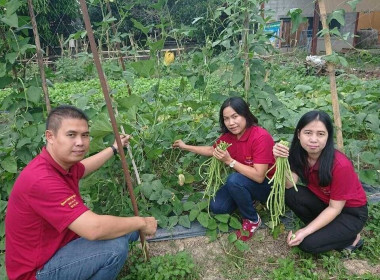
<point>250,155</point>
<point>333,205</point>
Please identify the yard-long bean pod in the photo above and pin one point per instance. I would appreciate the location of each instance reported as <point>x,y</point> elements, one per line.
<point>276,198</point>
<point>215,173</point>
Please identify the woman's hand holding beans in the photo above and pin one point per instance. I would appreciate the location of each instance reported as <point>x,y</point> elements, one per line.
<point>280,150</point>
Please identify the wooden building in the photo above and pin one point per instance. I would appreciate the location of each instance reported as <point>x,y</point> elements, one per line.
<point>366,16</point>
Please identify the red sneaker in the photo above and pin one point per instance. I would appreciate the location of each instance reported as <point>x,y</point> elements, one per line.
<point>248,229</point>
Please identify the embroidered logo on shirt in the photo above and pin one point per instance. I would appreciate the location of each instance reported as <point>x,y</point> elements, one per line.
<point>248,160</point>
<point>325,190</point>
<point>71,201</point>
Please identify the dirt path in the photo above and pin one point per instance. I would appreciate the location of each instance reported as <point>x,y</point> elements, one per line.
<point>216,260</point>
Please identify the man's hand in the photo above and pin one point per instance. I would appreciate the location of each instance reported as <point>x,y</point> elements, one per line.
<point>124,138</point>
<point>150,226</point>
<point>179,144</point>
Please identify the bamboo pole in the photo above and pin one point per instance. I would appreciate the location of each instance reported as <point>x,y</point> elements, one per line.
<point>247,72</point>
<point>314,37</point>
<point>331,71</point>
<point>39,55</point>
<point>121,61</point>
<point>107,98</point>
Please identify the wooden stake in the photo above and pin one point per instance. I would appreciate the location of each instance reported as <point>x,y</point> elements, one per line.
<point>331,71</point>
<point>314,37</point>
<point>39,55</point>
<point>104,86</point>
<point>245,34</point>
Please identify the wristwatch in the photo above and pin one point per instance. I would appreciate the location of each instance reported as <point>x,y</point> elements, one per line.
<point>232,164</point>
<point>114,150</point>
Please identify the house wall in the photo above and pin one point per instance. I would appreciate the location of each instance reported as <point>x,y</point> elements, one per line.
<point>370,20</point>
<point>283,6</point>
<point>338,45</point>
<point>280,9</point>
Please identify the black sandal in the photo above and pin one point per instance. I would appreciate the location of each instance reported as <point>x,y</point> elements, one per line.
<point>353,248</point>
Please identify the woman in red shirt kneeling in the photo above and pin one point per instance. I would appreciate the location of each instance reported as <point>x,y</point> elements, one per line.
<point>333,205</point>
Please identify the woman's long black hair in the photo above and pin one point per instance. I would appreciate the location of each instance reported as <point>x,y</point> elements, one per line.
<point>298,156</point>
<point>241,107</point>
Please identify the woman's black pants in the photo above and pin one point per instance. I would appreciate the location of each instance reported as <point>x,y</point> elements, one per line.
<point>338,234</point>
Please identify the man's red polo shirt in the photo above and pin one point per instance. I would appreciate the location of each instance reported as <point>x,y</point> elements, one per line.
<point>44,201</point>
<point>254,147</point>
<point>345,184</point>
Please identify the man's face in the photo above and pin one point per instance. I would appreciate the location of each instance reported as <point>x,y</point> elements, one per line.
<point>70,143</point>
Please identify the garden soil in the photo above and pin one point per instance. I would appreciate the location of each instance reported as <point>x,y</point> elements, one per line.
<point>212,257</point>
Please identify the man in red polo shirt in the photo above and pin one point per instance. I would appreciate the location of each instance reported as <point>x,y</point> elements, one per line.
<point>50,232</point>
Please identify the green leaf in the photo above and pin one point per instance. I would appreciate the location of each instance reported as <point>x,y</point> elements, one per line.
<point>146,189</point>
<point>241,246</point>
<point>155,196</point>
<point>9,164</point>
<point>34,94</point>
<point>193,214</point>
<point>166,209</point>
<point>226,44</point>
<point>232,237</point>
<point>277,230</point>
<point>162,221</point>
<point>369,157</point>
<point>12,6</point>
<point>335,32</point>
<point>203,219</point>
<point>353,4</point>
<point>223,227</point>
<point>202,205</point>
<point>24,154</point>
<point>23,142</point>
<point>165,196</point>
<point>235,223</point>
<point>101,127</point>
<point>189,178</point>
<point>173,220</point>
<point>177,207</point>
<point>156,46</point>
<point>144,68</point>
<point>147,177</point>
<point>237,77</point>
<point>343,61</point>
<point>222,217</point>
<point>303,88</point>
<point>212,224</point>
<point>212,234</point>
<point>11,57</point>
<point>323,32</point>
<point>370,177</point>
<point>188,205</point>
<point>296,18</point>
<point>11,20</point>
<point>338,15</point>
<point>30,131</point>
<point>373,122</point>
<point>184,221</point>
<point>3,69</point>
<point>140,26</point>
<point>129,77</point>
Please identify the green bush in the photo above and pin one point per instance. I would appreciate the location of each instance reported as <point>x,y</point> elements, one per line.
<point>75,69</point>
<point>175,267</point>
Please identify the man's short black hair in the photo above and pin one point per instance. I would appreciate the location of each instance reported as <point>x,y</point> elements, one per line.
<point>59,113</point>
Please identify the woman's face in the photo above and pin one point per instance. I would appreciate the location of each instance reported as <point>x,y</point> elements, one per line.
<point>234,122</point>
<point>313,138</point>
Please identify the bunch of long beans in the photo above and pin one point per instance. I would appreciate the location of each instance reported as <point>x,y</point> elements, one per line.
<point>216,172</point>
<point>276,199</point>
